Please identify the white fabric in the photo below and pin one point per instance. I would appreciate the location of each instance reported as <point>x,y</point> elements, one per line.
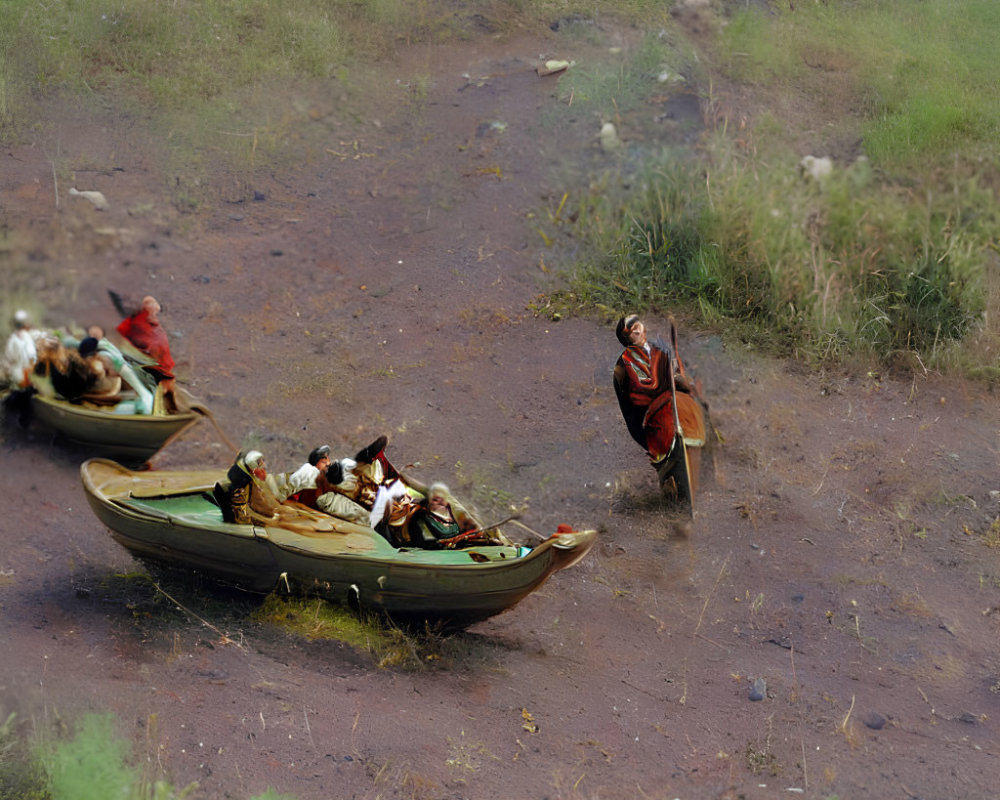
<point>20,355</point>
<point>337,505</point>
<point>303,478</point>
<point>387,495</point>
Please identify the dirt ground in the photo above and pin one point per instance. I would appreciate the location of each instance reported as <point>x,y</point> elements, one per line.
<point>841,557</point>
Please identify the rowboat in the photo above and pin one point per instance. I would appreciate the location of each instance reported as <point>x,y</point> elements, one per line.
<point>170,518</point>
<point>134,438</point>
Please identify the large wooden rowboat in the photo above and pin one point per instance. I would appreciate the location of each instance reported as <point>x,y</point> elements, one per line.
<point>130,437</point>
<point>170,518</point>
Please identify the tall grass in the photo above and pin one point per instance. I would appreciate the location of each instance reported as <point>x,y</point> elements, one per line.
<point>890,258</point>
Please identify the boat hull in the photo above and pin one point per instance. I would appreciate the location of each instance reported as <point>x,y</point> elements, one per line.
<point>130,437</point>
<point>178,526</point>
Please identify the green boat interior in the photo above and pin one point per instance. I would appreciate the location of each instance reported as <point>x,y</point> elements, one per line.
<point>199,509</point>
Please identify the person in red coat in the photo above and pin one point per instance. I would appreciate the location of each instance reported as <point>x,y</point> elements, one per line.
<point>642,379</point>
<point>143,329</point>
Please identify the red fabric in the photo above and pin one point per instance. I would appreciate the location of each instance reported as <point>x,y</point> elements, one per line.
<point>307,497</point>
<point>642,383</point>
<point>149,336</point>
<point>660,427</point>
<point>640,379</point>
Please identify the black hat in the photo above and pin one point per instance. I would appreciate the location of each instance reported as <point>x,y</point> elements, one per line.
<point>323,451</point>
<point>335,473</point>
<point>624,328</point>
<point>368,454</point>
<point>88,346</point>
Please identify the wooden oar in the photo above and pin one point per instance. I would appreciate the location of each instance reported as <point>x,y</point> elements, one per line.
<point>481,531</point>
<point>529,530</point>
<point>679,433</point>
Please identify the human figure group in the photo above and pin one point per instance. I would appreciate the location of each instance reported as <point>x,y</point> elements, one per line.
<point>365,490</point>
<point>89,367</point>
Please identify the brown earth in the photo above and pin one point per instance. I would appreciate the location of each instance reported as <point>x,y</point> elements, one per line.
<point>842,549</point>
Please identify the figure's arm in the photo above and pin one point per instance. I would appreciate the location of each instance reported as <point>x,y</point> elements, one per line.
<point>633,421</point>
<point>262,500</point>
<point>145,397</point>
<point>337,505</point>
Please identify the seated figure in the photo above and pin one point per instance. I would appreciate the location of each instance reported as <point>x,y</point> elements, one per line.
<point>61,372</point>
<point>301,484</point>
<point>114,362</point>
<point>434,522</point>
<point>105,381</point>
<point>338,492</point>
<point>246,498</point>
<point>21,351</point>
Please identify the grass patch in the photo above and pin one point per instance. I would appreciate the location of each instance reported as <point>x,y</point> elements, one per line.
<point>83,761</point>
<point>991,536</point>
<point>314,618</point>
<point>891,258</point>
<point>390,646</point>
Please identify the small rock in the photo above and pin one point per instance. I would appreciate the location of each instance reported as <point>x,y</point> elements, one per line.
<point>97,199</point>
<point>758,690</point>
<point>819,169</point>
<point>874,721</point>
<point>610,142</point>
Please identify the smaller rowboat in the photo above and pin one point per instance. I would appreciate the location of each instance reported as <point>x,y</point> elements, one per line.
<point>170,518</point>
<point>134,438</point>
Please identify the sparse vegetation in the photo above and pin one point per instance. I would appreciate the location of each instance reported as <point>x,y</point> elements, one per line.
<point>89,763</point>
<point>887,258</point>
<point>389,645</point>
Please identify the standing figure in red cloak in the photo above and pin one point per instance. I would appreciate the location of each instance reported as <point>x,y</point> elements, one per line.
<point>653,403</point>
<point>143,329</point>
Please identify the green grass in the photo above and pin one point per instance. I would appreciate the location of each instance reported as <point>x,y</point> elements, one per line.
<point>88,762</point>
<point>621,82</point>
<point>890,259</point>
<point>925,72</point>
<point>388,645</point>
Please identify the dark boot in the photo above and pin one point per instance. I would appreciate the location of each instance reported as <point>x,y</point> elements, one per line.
<point>368,454</point>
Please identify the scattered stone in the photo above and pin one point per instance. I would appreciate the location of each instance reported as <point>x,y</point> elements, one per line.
<point>551,67</point>
<point>968,719</point>
<point>610,143</point>
<point>818,169</point>
<point>874,721</point>
<point>97,199</point>
<point>758,690</point>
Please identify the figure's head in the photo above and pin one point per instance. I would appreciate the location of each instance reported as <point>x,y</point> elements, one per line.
<point>438,497</point>
<point>88,346</point>
<point>631,331</point>
<point>340,474</point>
<point>254,460</point>
<point>151,307</point>
<point>320,457</point>
<point>96,331</point>
<point>22,319</point>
